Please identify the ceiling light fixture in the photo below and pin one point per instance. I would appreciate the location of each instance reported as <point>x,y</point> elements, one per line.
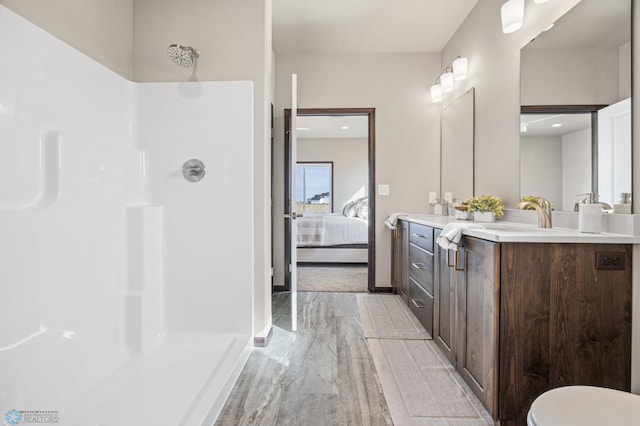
<point>457,70</point>
<point>344,127</point>
<point>512,13</point>
<point>556,125</point>
<point>540,1</point>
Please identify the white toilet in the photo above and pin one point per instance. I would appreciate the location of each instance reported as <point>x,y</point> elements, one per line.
<point>585,406</point>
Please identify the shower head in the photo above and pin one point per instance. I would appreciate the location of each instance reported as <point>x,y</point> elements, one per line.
<point>185,56</point>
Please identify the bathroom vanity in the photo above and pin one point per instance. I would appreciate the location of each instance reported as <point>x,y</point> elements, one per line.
<point>519,310</point>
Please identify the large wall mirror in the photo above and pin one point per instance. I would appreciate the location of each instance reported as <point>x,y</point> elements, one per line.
<point>457,124</point>
<point>575,88</point>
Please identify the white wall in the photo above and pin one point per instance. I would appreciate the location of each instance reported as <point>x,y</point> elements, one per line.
<point>350,165</point>
<point>101,29</point>
<point>494,71</point>
<point>541,166</point>
<point>570,76</point>
<point>234,40</point>
<point>576,166</point>
<point>407,129</point>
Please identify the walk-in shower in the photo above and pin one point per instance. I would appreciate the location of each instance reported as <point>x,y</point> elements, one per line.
<point>184,56</point>
<point>126,296</point>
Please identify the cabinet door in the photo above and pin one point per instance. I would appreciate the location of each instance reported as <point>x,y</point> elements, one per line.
<point>478,291</point>
<point>444,323</point>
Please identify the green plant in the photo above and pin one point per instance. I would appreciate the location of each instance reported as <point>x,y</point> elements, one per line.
<point>486,203</point>
<point>532,199</point>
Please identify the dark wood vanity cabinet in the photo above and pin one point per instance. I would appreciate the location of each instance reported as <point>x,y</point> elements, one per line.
<point>565,319</point>
<point>421,244</point>
<point>400,260</point>
<point>466,323</point>
<point>518,319</point>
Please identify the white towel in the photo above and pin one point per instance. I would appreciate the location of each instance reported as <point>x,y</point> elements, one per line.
<point>392,220</point>
<point>451,234</point>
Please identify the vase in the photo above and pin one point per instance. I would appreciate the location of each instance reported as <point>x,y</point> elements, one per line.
<point>485,217</point>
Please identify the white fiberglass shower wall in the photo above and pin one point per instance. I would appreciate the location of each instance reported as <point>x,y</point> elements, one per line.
<point>126,289</point>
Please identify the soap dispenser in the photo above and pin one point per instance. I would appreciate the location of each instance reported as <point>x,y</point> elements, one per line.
<point>590,214</point>
<point>624,204</point>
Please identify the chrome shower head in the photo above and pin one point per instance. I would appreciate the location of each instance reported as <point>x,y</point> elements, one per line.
<point>185,56</point>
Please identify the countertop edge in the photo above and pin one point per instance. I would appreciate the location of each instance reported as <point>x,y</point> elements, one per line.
<point>531,235</point>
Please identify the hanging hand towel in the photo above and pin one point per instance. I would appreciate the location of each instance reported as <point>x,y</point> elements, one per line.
<point>392,220</point>
<point>451,234</point>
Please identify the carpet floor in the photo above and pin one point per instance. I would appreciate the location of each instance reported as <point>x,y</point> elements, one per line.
<point>332,278</point>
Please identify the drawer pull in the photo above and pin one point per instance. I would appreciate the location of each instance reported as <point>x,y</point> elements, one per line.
<point>416,304</point>
<point>419,235</point>
<point>419,265</point>
<point>456,263</point>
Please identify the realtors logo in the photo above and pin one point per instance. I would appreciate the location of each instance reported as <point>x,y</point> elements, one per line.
<point>14,417</point>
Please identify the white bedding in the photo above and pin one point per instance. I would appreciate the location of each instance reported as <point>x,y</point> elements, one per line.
<point>331,230</point>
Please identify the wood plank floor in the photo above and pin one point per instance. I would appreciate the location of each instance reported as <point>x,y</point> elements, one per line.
<point>321,375</point>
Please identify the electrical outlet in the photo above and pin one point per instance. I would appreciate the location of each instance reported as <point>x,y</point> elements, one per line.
<point>610,261</point>
<point>448,197</point>
<point>432,197</point>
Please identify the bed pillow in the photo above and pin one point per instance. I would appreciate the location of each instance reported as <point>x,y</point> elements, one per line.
<point>363,209</point>
<point>350,209</point>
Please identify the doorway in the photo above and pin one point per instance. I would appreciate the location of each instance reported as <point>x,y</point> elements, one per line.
<point>366,198</point>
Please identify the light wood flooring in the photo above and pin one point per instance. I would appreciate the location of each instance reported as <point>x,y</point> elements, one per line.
<point>324,374</point>
<point>321,375</point>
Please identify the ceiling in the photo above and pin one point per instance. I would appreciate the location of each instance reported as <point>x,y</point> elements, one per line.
<point>332,126</point>
<point>366,26</point>
<point>591,23</point>
<point>542,124</point>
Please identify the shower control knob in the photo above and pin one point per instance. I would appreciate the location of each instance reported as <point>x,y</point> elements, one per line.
<point>193,170</point>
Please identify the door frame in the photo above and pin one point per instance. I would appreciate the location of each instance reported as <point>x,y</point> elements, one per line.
<point>371,247</point>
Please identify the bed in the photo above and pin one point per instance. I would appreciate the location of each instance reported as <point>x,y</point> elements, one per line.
<point>334,237</point>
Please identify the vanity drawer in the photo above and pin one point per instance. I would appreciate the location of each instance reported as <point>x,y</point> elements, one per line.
<point>421,235</point>
<point>421,267</point>
<point>421,304</point>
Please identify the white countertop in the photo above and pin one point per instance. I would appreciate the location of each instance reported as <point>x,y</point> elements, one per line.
<point>515,232</point>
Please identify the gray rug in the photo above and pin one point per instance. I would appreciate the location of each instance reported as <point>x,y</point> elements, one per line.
<point>422,388</point>
<point>386,316</point>
<point>332,278</point>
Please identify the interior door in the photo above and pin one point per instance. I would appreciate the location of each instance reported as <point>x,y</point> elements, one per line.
<point>291,213</point>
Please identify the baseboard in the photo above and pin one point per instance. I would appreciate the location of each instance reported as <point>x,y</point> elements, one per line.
<point>263,342</point>
<point>383,290</point>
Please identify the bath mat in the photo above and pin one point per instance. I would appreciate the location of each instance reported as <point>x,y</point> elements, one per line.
<point>332,278</point>
<point>421,387</point>
<point>386,316</point>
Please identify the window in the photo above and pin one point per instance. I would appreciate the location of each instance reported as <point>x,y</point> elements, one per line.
<point>314,187</point>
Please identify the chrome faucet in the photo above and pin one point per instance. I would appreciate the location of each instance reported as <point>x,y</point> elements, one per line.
<point>444,206</point>
<point>543,209</point>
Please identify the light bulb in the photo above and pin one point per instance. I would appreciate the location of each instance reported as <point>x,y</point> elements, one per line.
<point>512,13</point>
<point>446,80</point>
<point>460,68</point>
<point>436,93</point>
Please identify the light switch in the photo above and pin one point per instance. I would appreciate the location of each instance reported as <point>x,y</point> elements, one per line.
<point>383,189</point>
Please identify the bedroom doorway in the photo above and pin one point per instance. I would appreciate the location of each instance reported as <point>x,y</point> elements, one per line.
<point>335,181</point>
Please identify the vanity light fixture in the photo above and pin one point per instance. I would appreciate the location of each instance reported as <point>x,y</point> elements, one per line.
<point>436,92</point>
<point>446,80</point>
<point>460,68</point>
<point>457,70</point>
<point>512,13</point>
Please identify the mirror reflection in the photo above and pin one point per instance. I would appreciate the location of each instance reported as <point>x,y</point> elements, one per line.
<point>576,76</point>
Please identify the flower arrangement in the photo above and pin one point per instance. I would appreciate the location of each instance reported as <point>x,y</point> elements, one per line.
<point>486,203</point>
